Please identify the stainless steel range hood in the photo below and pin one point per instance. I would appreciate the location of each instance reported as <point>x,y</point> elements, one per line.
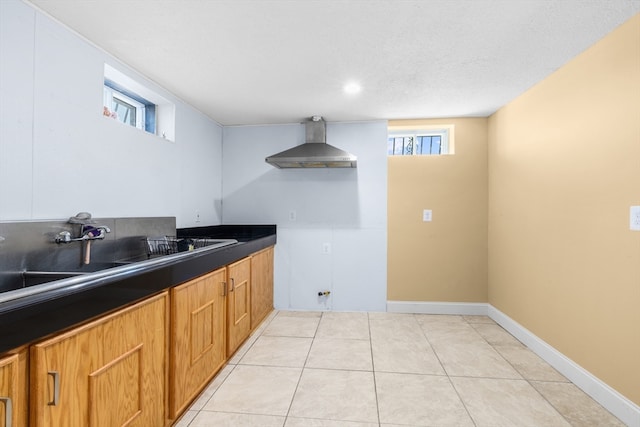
<point>315,152</point>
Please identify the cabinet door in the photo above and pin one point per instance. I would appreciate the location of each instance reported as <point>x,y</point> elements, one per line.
<point>261,285</point>
<point>13,390</point>
<point>197,336</point>
<point>108,373</point>
<point>238,304</point>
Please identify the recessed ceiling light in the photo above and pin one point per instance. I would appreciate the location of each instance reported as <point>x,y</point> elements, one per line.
<point>352,88</point>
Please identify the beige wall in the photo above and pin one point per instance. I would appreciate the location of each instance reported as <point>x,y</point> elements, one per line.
<point>444,260</point>
<point>564,168</point>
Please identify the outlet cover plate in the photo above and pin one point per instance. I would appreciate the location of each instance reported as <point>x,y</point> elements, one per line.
<point>427,215</point>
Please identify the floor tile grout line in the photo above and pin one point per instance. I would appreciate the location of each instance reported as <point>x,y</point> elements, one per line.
<point>486,335</point>
<point>426,336</point>
<point>549,402</point>
<point>293,396</point>
<point>485,340</point>
<point>528,381</point>
<point>233,366</point>
<point>373,368</point>
<point>464,405</point>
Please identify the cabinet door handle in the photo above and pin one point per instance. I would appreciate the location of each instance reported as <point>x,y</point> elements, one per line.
<point>56,387</point>
<point>224,289</point>
<point>8,409</point>
<point>233,285</point>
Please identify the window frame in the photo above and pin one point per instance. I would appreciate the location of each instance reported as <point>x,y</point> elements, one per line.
<point>160,113</point>
<point>444,132</point>
<point>141,109</point>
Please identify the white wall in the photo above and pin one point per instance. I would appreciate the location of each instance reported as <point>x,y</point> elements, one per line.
<point>345,208</point>
<point>60,156</point>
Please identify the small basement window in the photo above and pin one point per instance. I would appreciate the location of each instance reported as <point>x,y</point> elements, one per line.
<point>134,104</point>
<point>128,107</point>
<point>410,142</point>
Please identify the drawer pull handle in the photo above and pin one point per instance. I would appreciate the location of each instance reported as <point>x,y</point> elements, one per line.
<point>8,409</point>
<point>233,285</point>
<point>56,387</point>
<point>224,289</point>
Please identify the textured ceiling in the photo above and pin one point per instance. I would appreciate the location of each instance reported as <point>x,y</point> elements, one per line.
<point>280,61</point>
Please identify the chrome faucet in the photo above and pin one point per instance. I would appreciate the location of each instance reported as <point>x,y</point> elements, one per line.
<point>88,232</point>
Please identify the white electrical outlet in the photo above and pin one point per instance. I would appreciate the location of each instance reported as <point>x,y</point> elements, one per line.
<point>197,216</point>
<point>634,218</point>
<point>292,215</point>
<point>326,248</point>
<point>427,215</point>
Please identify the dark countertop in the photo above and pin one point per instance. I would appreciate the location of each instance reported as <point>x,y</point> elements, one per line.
<point>25,320</point>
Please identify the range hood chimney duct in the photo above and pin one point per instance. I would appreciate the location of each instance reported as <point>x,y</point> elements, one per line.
<point>315,152</point>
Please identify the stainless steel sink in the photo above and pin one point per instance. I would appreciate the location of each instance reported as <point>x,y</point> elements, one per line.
<point>27,278</point>
<point>49,276</point>
<point>38,277</point>
<point>217,242</point>
<point>165,245</point>
<point>14,280</point>
<point>32,278</point>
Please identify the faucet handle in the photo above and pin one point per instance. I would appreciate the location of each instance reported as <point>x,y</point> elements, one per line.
<point>102,229</point>
<point>63,237</point>
<point>93,233</point>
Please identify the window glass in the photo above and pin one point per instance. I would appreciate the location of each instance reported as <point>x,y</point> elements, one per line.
<point>135,104</point>
<point>126,109</point>
<point>126,112</point>
<point>407,143</point>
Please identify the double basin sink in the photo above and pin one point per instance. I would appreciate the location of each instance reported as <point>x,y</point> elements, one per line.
<point>29,282</point>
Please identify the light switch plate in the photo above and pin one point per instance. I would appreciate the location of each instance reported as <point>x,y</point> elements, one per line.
<point>427,215</point>
<point>634,218</point>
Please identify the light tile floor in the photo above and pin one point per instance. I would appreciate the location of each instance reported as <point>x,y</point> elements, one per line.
<point>312,369</point>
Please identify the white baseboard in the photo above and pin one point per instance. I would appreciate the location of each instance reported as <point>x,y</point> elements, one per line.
<point>460,308</point>
<point>627,411</point>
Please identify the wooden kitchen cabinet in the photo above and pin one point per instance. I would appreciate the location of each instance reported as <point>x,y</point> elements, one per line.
<point>261,285</point>
<point>197,337</point>
<point>13,389</point>
<point>238,303</point>
<point>108,373</point>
